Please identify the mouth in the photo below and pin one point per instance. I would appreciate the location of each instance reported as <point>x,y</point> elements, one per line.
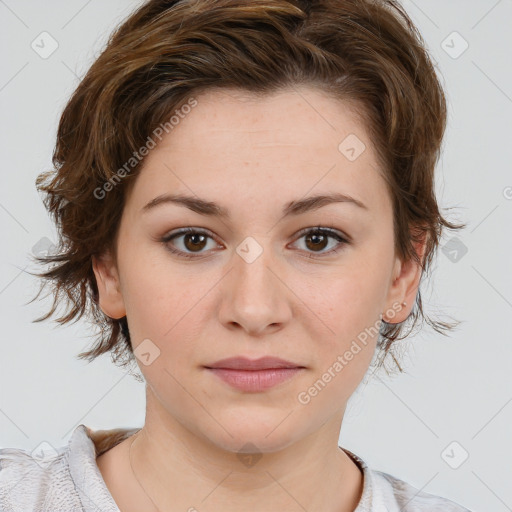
<point>245,363</point>
<point>254,375</point>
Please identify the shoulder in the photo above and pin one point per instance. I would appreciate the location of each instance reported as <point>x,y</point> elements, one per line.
<point>382,491</point>
<point>401,496</point>
<point>64,478</point>
<point>29,481</point>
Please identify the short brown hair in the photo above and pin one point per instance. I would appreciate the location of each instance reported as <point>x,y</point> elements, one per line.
<point>367,52</point>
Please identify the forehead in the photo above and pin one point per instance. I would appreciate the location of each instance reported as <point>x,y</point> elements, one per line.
<point>300,117</point>
<point>234,144</point>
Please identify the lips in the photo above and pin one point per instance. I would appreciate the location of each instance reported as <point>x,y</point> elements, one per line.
<point>244,363</point>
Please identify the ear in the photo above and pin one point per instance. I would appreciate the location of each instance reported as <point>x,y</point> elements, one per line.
<point>404,286</point>
<point>109,287</point>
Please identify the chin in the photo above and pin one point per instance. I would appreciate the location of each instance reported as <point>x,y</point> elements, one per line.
<point>253,443</point>
<point>252,433</point>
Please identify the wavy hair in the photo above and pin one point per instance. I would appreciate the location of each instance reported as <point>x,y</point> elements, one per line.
<point>367,52</point>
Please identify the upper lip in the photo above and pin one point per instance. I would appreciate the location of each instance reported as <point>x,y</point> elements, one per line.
<point>244,363</point>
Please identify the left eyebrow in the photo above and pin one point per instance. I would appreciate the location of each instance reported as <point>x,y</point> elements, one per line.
<point>210,208</point>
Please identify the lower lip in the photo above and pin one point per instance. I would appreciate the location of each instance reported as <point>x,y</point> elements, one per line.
<point>255,380</point>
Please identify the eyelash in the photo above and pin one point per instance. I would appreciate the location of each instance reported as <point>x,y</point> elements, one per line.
<point>316,230</point>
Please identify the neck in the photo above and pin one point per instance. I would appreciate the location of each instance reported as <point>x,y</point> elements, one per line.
<point>179,470</point>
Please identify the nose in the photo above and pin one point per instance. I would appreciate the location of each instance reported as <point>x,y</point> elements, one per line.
<point>255,296</point>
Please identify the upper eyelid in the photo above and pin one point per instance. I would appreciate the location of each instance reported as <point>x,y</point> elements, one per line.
<point>330,231</point>
<point>327,229</point>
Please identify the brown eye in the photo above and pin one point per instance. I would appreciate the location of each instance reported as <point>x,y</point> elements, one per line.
<point>317,240</point>
<point>193,241</point>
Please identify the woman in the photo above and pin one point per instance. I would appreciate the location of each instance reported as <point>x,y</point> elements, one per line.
<point>245,197</point>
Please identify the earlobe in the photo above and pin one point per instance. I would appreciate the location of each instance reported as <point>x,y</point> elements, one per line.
<point>109,290</point>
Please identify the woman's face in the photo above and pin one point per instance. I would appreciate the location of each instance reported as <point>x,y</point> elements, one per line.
<point>260,281</point>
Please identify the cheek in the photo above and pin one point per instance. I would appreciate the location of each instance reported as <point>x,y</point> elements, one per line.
<point>345,325</point>
<point>345,302</point>
<point>349,307</point>
<point>161,302</point>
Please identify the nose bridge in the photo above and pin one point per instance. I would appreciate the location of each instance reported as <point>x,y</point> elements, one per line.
<point>255,298</point>
<point>252,275</point>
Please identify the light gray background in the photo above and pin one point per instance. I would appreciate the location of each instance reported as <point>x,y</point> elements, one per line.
<point>456,389</point>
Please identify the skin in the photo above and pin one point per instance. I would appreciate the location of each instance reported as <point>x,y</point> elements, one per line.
<point>251,156</point>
